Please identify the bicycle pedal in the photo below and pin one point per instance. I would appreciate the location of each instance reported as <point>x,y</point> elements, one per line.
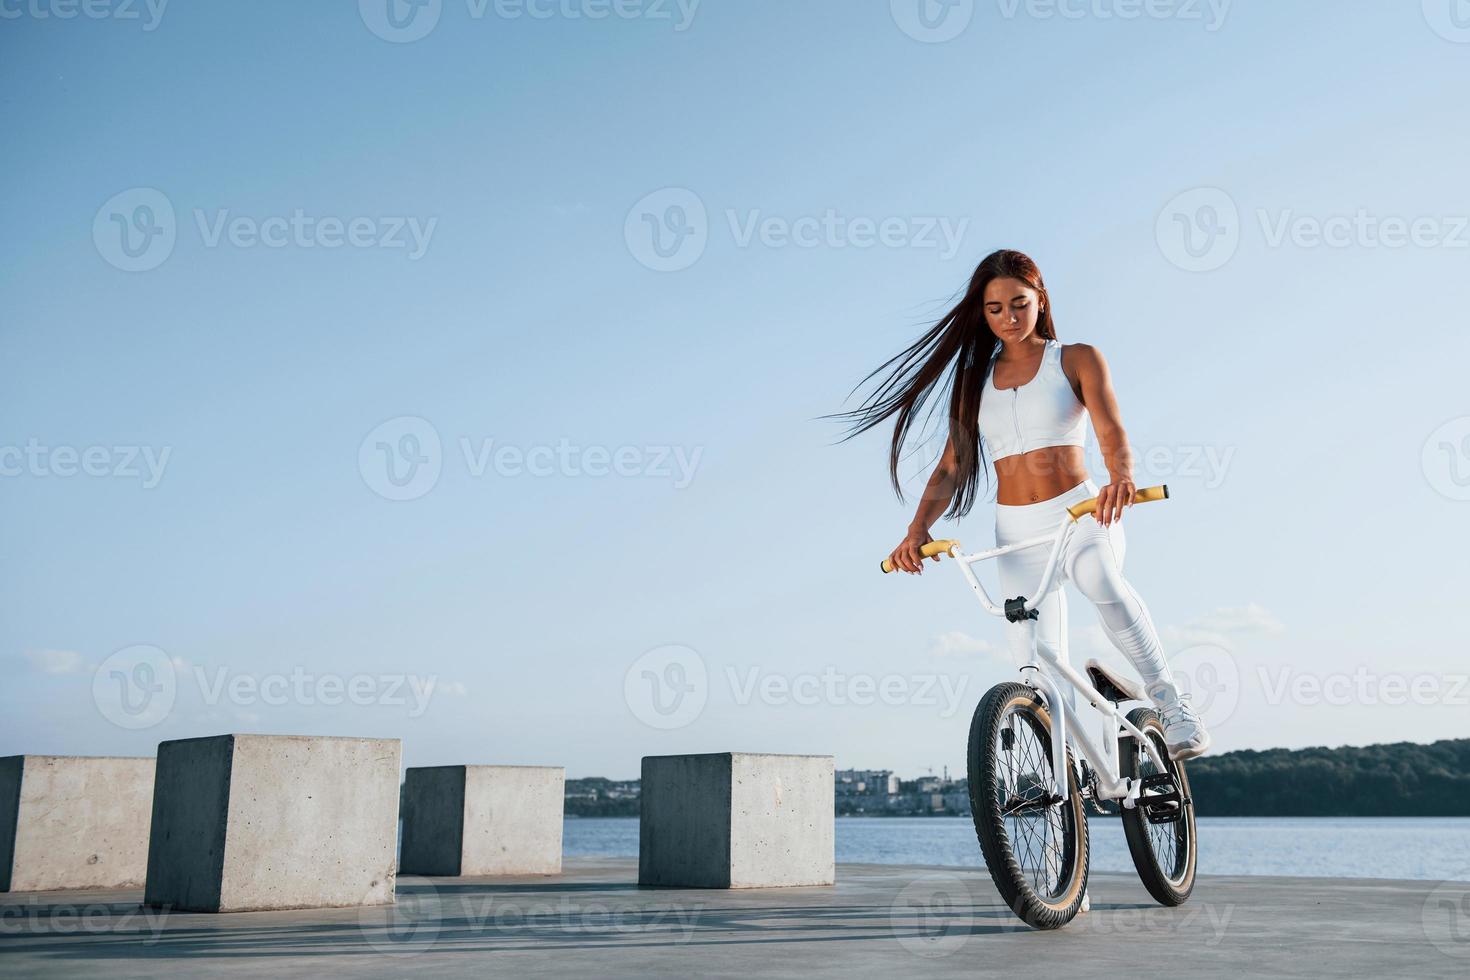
<point>1168,813</point>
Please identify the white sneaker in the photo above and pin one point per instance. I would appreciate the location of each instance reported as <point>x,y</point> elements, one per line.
<point>1184,732</point>
<point>1086,903</point>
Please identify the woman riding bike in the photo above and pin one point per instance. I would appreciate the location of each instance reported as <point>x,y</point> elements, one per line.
<point>1015,387</point>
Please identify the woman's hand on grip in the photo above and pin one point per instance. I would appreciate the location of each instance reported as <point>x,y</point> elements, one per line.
<point>906,556</point>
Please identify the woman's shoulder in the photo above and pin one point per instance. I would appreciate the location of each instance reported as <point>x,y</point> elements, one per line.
<point>1080,353</point>
<point>1079,361</point>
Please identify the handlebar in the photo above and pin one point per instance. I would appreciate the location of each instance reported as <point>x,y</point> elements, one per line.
<point>1077,511</point>
<point>927,551</point>
<point>1082,509</point>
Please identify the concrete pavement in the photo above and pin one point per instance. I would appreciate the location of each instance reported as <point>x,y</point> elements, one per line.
<point>593,920</point>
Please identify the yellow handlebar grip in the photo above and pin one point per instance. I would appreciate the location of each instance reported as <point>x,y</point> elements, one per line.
<point>928,551</point>
<point>1160,492</point>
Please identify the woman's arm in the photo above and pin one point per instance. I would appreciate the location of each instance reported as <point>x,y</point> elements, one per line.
<point>1102,404</point>
<point>935,501</point>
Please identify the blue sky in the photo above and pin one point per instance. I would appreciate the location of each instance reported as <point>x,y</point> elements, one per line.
<point>635,536</point>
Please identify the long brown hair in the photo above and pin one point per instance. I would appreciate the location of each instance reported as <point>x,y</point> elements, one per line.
<point>956,354</point>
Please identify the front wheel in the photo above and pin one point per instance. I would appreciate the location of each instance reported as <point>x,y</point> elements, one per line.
<point>1035,844</point>
<point>1160,827</point>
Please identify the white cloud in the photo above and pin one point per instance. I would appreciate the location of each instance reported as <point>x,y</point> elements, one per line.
<point>1179,637</point>
<point>55,661</point>
<point>1240,619</point>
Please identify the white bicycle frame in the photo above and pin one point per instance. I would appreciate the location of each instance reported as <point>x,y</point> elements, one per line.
<point>1042,674</point>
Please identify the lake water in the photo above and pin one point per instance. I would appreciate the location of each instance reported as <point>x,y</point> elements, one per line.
<point>1431,848</point>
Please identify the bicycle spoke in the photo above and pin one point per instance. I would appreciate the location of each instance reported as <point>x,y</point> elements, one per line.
<point>1039,827</point>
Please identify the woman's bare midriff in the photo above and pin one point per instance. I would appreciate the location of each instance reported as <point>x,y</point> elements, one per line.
<point>1041,474</point>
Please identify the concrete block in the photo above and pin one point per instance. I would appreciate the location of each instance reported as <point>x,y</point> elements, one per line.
<point>483,820</point>
<point>736,820</point>
<point>249,822</point>
<point>73,822</point>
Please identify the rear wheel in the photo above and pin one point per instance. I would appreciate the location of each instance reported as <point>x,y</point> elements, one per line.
<point>1160,828</point>
<point>1035,844</point>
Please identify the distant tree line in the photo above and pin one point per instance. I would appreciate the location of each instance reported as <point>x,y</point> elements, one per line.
<point>1398,779</point>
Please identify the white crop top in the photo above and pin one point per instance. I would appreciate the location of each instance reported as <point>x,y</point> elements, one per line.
<point>1042,412</point>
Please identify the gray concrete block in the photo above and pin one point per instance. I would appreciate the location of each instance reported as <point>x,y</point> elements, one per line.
<point>251,822</point>
<point>483,820</point>
<point>73,822</point>
<point>736,820</point>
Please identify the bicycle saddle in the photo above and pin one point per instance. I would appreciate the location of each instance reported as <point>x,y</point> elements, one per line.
<point>1114,686</point>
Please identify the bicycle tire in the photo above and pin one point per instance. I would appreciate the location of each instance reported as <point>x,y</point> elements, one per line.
<point>991,763</point>
<point>1155,845</point>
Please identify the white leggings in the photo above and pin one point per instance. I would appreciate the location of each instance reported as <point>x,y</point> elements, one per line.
<point>1093,562</point>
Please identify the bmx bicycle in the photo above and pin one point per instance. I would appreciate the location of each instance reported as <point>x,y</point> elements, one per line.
<point>1033,768</point>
